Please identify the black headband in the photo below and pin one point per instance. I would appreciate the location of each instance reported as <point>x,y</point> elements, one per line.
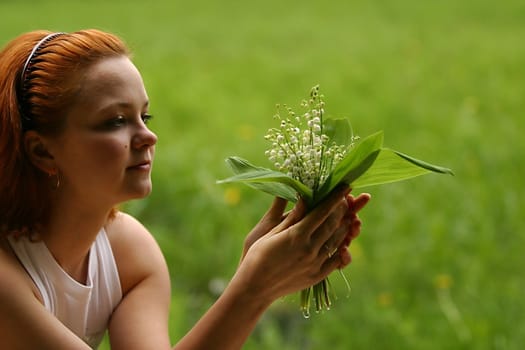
<point>31,56</point>
<point>26,120</point>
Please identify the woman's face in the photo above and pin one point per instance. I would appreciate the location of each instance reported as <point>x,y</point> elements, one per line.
<point>105,151</point>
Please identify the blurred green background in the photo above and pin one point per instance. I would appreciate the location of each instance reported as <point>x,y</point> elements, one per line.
<point>439,264</point>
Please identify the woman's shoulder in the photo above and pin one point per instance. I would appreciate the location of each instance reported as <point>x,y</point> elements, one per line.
<point>136,251</point>
<point>126,232</point>
<point>123,222</point>
<point>15,280</point>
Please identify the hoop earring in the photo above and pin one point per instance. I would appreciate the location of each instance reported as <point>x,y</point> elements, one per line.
<point>57,183</point>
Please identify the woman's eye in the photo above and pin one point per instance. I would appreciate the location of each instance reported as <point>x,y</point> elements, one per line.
<point>115,122</point>
<point>146,118</point>
<point>121,121</point>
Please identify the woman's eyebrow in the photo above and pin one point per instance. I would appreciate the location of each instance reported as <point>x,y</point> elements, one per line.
<point>123,105</point>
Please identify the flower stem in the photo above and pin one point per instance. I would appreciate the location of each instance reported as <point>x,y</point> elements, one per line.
<point>320,293</point>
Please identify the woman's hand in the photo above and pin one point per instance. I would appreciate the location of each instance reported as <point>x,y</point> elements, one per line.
<point>287,253</point>
<point>275,215</point>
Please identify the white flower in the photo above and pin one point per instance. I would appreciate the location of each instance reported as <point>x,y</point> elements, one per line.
<point>299,148</point>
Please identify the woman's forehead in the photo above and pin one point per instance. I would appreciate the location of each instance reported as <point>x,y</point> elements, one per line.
<point>108,72</point>
<point>112,80</point>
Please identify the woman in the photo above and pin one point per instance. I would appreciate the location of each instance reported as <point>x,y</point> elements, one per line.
<point>74,143</point>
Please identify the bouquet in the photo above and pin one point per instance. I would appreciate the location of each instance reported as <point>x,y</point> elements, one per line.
<point>311,155</point>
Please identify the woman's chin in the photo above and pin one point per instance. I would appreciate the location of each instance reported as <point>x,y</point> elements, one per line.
<point>140,192</point>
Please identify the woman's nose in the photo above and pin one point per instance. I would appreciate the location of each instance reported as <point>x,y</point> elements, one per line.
<point>144,137</point>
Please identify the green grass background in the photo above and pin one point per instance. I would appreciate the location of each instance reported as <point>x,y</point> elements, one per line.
<point>439,264</point>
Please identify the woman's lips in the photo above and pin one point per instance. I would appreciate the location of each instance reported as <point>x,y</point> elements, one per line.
<point>143,166</point>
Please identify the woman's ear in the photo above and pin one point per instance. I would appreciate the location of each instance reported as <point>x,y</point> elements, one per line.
<point>36,149</point>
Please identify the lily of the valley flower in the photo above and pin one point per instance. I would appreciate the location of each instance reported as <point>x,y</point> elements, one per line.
<point>300,149</point>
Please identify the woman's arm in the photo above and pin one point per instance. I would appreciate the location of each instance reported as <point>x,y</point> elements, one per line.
<point>140,321</point>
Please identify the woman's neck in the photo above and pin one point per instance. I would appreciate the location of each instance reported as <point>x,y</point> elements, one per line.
<point>69,235</point>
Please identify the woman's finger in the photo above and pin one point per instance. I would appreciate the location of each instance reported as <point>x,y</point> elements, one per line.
<point>274,215</point>
<point>357,203</point>
<point>269,220</point>
<point>332,238</point>
<point>337,261</point>
<point>316,217</point>
<point>292,217</point>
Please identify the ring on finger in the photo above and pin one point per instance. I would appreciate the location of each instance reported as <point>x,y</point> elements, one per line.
<point>329,252</point>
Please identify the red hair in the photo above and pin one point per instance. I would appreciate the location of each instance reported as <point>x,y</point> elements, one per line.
<point>44,96</point>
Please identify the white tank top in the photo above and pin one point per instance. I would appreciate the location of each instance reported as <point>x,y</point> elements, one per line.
<point>84,309</point>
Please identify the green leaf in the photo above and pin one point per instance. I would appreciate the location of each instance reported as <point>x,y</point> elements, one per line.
<point>392,166</point>
<point>240,166</point>
<point>353,165</point>
<point>276,189</point>
<point>338,130</point>
<point>423,164</point>
<point>266,180</point>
